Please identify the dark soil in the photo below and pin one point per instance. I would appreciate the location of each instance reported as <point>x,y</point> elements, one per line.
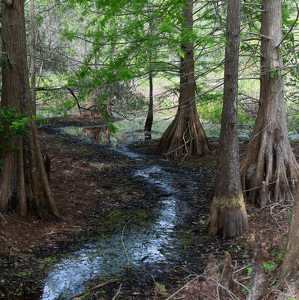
<point>90,183</point>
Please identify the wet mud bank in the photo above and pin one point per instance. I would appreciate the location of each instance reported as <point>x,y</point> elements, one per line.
<point>146,228</point>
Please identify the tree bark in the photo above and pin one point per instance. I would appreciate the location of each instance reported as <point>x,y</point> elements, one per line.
<point>23,181</point>
<point>268,167</point>
<point>32,57</point>
<point>290,265</point>
<point>150,114</point>
<point>185,135</point>
<point>258,275</point>
<point>228,215</point>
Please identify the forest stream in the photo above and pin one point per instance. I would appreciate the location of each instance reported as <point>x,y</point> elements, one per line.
<point>179,213</point>
<point>146,221</point>
<point>152,249</point>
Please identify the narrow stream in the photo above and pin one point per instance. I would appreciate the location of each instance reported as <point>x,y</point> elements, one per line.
<point>133,247</point>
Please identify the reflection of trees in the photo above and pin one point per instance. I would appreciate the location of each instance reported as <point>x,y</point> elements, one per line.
<point>100,104</point>
<point>98,134</point>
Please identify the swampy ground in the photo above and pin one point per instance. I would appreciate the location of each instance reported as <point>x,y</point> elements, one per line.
<point>96,195</point>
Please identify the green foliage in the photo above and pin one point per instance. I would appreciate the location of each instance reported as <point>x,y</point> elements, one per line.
<point>246,288</point>
<point>278,255</point>
<point>269,266</point>
<point>249,270</point>
<point>61,108</point>
<point>12,124</point>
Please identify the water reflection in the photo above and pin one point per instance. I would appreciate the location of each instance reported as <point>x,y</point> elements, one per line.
<point>138,246</point>
<point>98,134</point>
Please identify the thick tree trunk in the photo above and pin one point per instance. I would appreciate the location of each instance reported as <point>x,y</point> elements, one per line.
<point>23,181</point>
<point>228,215</point>
<point>185,135</point>
<point>269,168</point>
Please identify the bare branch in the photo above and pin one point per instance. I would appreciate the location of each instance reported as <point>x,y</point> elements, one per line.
<point>291,27</point>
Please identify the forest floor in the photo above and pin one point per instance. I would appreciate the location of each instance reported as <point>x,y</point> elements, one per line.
<point>91,184</point>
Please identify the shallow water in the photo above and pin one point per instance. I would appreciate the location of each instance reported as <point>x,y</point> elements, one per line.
<point>134,247</point>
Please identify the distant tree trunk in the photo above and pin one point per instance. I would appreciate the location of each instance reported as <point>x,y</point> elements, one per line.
<point>185,135</point>
<point>228,215</point>
<point>150,114</point>
<point>23,181</point>
<point>32,57</point>
<point>269,168</point>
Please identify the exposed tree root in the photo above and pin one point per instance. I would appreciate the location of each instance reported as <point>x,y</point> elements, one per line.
<point>269,168</point>
<point>185,135</point>
<point>24,183</point>
<point>258,276</point>
<point>227,222</point>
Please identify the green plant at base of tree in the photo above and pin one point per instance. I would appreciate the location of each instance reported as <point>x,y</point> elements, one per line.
<point>12,124</point>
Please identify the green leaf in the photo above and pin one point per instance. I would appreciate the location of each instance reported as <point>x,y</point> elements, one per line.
<point>249,270</point>
<point>272,74</point>
<point>268,266</point>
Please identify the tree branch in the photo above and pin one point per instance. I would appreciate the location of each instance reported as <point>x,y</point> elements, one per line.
<point>291,27</point>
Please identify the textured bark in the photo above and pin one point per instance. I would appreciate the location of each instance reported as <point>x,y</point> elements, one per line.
<point>207,289</point>
<point>32,57</point>
<point>185,135</point>
<point>227,280</point>
<point>214,286</point>
<point>23,181</point>
<point>228,215</point>
<point>269,168</point>
<point>290,265</point>
<point>258,275</point>
<point>150,114</point>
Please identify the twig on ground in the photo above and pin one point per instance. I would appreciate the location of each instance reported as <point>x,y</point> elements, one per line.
<point>115,296</point>
<point>243,279</point>
<point>242,285</point>
<point>56,157</point>
<point>111,214</point>
<point>95,287</point>
<point>273,217</point>
<point>12,247</point>
<point>3,219</point>
<point>122,241</point>
<point>184,286</point>
<point>18,220</point>
<point>239,270</point>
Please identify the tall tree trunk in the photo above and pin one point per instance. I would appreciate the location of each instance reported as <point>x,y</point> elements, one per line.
<point>228,216</point>
<point>185,135</point>
<point>269,168</point>
<point>150,112</point>
<point>32,57</point>
<point>150,115</point>
<point>23,181</point>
